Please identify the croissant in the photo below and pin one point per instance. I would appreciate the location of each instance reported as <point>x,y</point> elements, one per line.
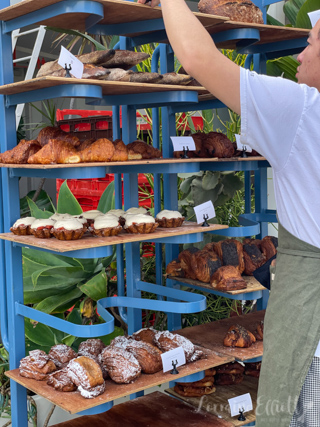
<point>238,336</point>
<point>85,144</point>
<point>21,153</point>
<point>174,269</point>
<point>185,258</point>
<point>120,151</point>
<point>227,278</point>
<point>102,150</point>
<point>144,149</point>
<point>51,132</point>
<point>253,257</point>
<point>230,252</point>
<point>56,151</point>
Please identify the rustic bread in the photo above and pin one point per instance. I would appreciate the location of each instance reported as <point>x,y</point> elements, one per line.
<point>235,10</point>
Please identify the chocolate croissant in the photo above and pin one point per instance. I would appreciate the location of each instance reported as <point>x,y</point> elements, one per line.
<point>238,336</point>
<point>230,252</point>
<point>205,264</point>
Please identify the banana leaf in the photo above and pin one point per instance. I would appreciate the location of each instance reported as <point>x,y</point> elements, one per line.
<point>291,9</point>
<point>107,202</point>
<point>96,288</point>
<point>285,66</point>
<point>303,20</point>
<point>50,304</point>
<point>67,203</point>
<point>36,212</point>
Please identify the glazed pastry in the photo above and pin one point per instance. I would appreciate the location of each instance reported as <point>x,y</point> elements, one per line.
<point>121,365</point>
<point>148,356</point>
<point>205,264</point>
<point>106,225</point>
<point>85,372</point>
<point>217,144</point>
<point>238,336</point>
<point>185,258</point>
<point>91,348</point>
<point>60,381</point>
<point>174,269</point>
<point>140,224</point>
<point>69,229</point>
<point>169,219</point>
<point>146,335</point>
<point>22,226</point>
<point>55,133</point>
<point>37,365</point>
<point>56,151</point>
<point>90,393</point>
<point>41,228</point>
<point>227,278</point>
<point>21,152</point>
<point>102,150</point>
<point>166,341</point>
<point>230,252</point>
<point>61,354</point>
<point>120,151</point>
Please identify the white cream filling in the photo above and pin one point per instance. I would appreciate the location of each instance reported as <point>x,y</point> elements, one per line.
<point>168,214</point>
<point>137,211</point>
<point>91,214</point>
<point>138,219</point>
<point>68,224</point>
<point>59,217</point>
<point>106,221</point>
<point>42,223</point>
<point>28,220</point>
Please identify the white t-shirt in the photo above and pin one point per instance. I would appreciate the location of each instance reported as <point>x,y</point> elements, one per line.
<point>281,120</point>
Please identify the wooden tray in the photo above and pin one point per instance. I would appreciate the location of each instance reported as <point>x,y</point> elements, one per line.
<point>74,402</point>
<point>252,283</point>
<point>217,403</point>
<point>88,242</point>
<point>155,409</point>
<point>132,162</point>
<point>211,336</point>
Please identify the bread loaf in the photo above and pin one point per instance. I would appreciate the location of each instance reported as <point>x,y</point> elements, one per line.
<point>235,10</point>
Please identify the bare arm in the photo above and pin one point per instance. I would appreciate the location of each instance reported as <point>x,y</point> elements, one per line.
<point>198,54</point>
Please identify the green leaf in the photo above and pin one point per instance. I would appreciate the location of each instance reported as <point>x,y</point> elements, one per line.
<point>36,296</point>
<point>291,9</point>
<point>202,196</point>
<point>231,184</point>
<point>68,340</point>
<point>51,303</point>
<point>303,20</point>
<point>96,288</point>
<point>210,180</point>
<point>45,258</point>
<point>67,203</point>
<point>97,45</point>
<point>43,202</point>
<point>62,273</point>
<point>75,317</point>
<point>186,185</point>
<point>39,333</point>
<point>106,202</point>
<point>36,212</point>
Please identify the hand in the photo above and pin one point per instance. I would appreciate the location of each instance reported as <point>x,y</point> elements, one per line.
<point>153,2</point>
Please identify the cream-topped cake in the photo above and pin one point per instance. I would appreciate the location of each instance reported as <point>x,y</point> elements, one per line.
<point>140,223</point>
<point>169,219</point>
<point>116,212</point>
<point>106,225</point>
<point>168,214</point>
<point>91,215</point>
<point>137,211</point>
<point>41,228</point>
<point>68,229</point>
<point>59,216</point>
<point>22,226</point>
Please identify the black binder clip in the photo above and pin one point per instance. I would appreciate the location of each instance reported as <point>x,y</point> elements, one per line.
<point>185,153</point>
<point>205,217</point>
<point>68,69</point>
<point>244,151</point>
<point>174,369</point>
<point>241,416</point>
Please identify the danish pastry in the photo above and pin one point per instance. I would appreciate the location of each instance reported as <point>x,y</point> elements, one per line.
<point>61,354</point>
<point>121,365</point>
<point>60,381</point>
<point>37,365</point>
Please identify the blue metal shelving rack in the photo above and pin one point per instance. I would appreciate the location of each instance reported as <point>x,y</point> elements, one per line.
<point>169,298</point>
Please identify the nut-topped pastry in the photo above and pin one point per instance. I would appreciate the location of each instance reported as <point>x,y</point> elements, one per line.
<point>106,226</point>
<point>69,229</point>
<point>41,228</point>
<point>169,219</point>
<point>140,224</point>
<point>22,226</point>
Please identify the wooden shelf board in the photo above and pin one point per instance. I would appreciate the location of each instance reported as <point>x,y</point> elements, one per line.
<point>88,242</point>
<point>132,163</point>
<point>108,88</point>
<point>211,335</point>
<point>217,403</point>
<point>252,285</point>
<point>155,409</point>
<point>74,402</point>
<point>115,12</point>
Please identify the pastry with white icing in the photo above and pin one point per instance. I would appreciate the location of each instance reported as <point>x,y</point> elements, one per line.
<point>140,224</point>
<point>41,228</point>
<point>106,225</point>
<point>22,226</point>
<point>169,219</point>
<point>90,216</point>
<point>68,229</point>
<point>139,210</point>
<point>60,216</point>
<point>121,365</point>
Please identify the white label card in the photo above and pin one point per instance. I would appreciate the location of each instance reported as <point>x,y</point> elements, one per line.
<point>204,211</point>
<point>314,16</point>
<point>67,59</point>
<point>173,357</point>
<point>241,403</point>
<point>183,142</point>
<point>241,146</point>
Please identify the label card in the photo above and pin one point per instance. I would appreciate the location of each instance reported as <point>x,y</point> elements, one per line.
<point>240,403</point>
<point>66,58</point>
<point>241,146</point>
<point>204,211</point>
<point>183,142</point>
<point>314,16</point>
<point>176,356</point>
